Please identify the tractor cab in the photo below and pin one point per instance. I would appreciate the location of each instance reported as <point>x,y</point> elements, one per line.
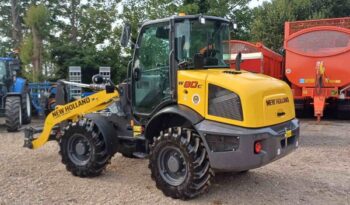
<point>7,68</point>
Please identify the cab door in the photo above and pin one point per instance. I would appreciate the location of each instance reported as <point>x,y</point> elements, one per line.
<point>151,84</point>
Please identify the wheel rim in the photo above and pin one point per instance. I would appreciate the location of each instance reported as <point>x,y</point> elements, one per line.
<point>172,165</point>
<point>28,105</point>
<point>79,149</point>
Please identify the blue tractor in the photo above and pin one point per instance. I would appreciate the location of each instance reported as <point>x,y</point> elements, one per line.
<point>15,100</point>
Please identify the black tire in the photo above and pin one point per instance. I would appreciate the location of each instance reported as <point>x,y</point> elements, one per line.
<point>83,149</point>
<point>191,156</point>
<point>13,113</point>
<point>26,108</point>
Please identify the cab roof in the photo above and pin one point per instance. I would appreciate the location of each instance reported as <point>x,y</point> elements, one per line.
<point>175,17</point>
<point>6,59</point>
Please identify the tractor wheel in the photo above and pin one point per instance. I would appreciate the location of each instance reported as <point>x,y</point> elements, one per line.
<point>13,113</point>
<point>83,149</point>
<point>26,108</point>
<point>179,163</point>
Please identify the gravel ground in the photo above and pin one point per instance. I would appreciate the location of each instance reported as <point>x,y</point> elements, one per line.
<point>317,173</point>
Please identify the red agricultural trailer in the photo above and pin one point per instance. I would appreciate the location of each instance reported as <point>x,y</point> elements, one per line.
<point>256,58</point>
<point>317,63</point>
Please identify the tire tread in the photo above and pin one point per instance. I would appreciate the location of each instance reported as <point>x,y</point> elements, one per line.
<point>100,158</point>
<point>12,106</point>
<point>199,175</point>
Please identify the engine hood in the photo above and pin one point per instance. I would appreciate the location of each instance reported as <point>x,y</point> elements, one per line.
<point>264,100</point>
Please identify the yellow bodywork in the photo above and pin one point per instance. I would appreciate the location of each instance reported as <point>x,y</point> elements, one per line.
<point>72,111</point>
<point>262,97</point>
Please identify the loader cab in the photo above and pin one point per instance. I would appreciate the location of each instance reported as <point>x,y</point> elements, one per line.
<point>167,45</point>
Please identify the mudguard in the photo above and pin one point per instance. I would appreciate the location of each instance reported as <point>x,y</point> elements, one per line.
<point>17,89</point>
<point>108,131</point>
<point>19,85</point>
<point>187,113</point>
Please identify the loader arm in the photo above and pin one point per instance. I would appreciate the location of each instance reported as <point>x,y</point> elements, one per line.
<point>70,111</point>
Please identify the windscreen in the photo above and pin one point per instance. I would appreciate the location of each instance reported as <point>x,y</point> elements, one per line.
<point>320,43</point>
<point>2,71</point>
<point>201,40</point>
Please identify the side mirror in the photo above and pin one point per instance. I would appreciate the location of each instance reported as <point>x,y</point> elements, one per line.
<point>97,79</point>
<point>125,37</point>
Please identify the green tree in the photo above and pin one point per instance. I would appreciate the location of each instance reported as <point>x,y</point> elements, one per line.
<point>269,19</point>
<point>36,19</point>
<point>11,24</point>
<point>87,38</point>
<point>86,33</point>
<point>136,12</point>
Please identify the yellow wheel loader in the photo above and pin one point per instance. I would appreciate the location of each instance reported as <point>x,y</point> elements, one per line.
<point>181,107</point>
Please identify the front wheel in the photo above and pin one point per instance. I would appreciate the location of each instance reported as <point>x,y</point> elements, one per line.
<point>13,113</point>
<point>83,149</point>
<point>26,109</point>
<point>179,163</point>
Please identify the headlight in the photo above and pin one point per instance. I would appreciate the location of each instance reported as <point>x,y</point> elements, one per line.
<point>224,103</point>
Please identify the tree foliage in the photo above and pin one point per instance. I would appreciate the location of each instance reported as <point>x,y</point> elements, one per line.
<point>86,33</point>
<point>36,19</point>
<point>269,19</point>
<point>138,11</point>
<point>26,50</point>
<point>87,38</point>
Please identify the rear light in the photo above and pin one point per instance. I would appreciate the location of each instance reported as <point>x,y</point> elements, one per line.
<point>257,147</point>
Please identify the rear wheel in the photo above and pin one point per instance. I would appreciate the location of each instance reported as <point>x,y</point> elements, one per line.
<point>179,163</point>
<point>13,113</point>
<point>26,109</point>
<point>83,149</point>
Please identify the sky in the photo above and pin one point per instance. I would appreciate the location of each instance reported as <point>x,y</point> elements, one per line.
<point>255,3</point>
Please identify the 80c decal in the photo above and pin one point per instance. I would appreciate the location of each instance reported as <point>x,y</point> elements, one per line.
<point>190,84</point>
